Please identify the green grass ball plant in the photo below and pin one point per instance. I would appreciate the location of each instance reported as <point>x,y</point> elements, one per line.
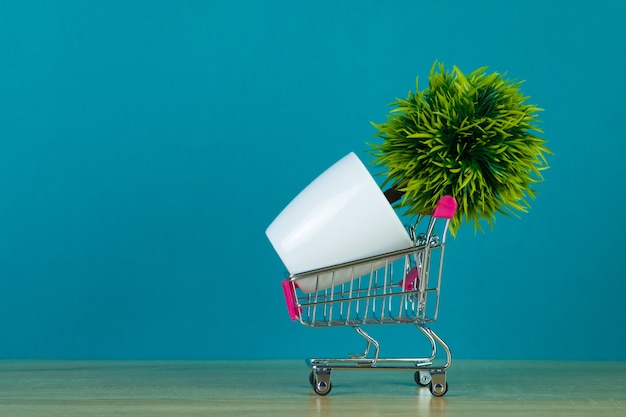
<point>474,137</point>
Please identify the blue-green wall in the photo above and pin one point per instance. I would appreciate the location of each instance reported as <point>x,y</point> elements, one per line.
<point>146,145</point>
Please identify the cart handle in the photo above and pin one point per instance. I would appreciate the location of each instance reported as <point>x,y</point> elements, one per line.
<point>446,207</point>
<point>290,299</point>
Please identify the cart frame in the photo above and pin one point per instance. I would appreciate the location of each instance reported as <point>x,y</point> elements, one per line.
<point>401,287</point>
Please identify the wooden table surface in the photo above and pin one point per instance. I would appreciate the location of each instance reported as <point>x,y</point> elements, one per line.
<point>281,388</point>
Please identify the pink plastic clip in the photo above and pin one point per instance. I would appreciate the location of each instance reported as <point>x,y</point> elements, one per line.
<point>446,207</point>
<point>412,280</point>
<point>290,299</point>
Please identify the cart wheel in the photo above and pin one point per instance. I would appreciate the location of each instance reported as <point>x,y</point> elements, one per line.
<point>319,378</point>
<point>322,388</point>
<point>438,390</point>
<point>422,378</point>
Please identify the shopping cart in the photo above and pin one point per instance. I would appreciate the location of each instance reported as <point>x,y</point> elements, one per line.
<point>400,287</point>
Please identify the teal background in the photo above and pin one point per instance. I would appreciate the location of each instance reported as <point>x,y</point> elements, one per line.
<point>146,145</point>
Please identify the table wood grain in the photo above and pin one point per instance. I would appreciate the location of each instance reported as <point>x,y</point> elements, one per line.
<point>277,388</point>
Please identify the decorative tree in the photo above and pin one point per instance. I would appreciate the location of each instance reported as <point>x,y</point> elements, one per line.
<point>474,137</point>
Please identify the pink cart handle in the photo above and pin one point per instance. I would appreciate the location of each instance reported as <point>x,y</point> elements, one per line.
<point>290,299</point>
<point>446,207</point>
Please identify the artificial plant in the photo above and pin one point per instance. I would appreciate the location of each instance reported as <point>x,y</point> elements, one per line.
<point>474,137</point>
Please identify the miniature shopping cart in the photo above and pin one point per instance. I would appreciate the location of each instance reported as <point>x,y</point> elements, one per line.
<point>400,287</point>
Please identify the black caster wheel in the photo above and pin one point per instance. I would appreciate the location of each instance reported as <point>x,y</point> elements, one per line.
<point>438,390</point>
<point>323,388</point>
<point>422,378</point>
<point>320,381</point>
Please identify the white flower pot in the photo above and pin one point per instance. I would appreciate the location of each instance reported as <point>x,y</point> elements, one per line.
<point>341,216</point>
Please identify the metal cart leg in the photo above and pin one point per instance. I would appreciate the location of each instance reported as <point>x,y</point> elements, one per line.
<point>370,342</point>
<point>437,384</point>
<point>434,340</point>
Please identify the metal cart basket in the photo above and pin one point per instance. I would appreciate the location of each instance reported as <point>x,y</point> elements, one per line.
<point>400,287</point>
